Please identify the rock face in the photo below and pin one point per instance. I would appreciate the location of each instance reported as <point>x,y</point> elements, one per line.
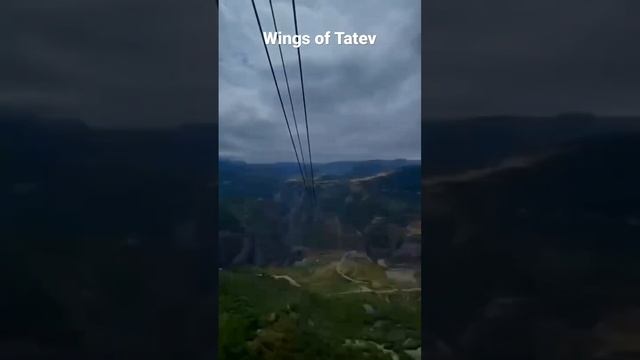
<point>525,262</point>
<point>372,214</point>
<point>231,246</point>
<point>300,215</point>
<point>383,239</point>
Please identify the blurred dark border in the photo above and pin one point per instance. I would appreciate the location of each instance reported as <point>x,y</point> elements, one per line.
<point>108,237</point>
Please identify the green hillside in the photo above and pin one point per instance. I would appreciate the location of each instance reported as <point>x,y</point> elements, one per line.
<point>313,312</point>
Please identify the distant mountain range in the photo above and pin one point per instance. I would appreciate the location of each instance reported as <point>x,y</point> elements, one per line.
<point>546,242</point>
<point>118,219</point>
<point>263,180</point>
<point>456,145</point>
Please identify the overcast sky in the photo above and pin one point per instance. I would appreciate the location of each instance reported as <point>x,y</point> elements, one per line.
<point>149,63</point>
<point>114,63</point>
<point>535,57</point>
<point>363,101</point>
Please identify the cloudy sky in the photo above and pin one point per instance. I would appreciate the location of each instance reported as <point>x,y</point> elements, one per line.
<point>535,57</point>
<point>363,101</point>
<point>151,63</point>
<point>112,63</point>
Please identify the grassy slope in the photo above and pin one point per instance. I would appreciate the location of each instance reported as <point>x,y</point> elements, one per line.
<point>265,318</point>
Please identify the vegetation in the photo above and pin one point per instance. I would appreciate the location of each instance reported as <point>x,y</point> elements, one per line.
<point>262,317</point>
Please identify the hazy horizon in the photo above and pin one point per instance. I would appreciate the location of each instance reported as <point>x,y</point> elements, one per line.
<point>314,163</point>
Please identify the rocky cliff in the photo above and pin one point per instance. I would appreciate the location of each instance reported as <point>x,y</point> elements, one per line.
<point>376,213</point>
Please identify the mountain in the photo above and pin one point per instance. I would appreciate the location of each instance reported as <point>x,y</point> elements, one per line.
<point>330,276</point>
<point>104,236</point>
<point>237,178</point>
<point>455,145</point>
<point>539,256</point>
<point>268,213</point>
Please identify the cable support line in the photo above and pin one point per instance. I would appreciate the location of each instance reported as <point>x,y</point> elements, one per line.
<point>275,81</point>
<point>304,102</point>
<point>286,78</point>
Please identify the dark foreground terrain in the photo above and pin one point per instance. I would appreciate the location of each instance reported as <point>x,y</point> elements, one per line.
<point>536,257</point>
<point>331,277</point>
<point>108,247</point>
<point>107,241</point>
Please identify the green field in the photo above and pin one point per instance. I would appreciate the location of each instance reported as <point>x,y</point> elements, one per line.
<point>312,311</point>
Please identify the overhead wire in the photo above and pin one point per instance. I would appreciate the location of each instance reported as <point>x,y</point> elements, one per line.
<point>286,78</point>
<point>304,102</point>
<point>275,81</point>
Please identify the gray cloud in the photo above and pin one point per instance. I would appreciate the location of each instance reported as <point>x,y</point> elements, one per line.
<point>364,102</point>
<point>531,57</point>
<point>142,63</point>
<point>115,63</point>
